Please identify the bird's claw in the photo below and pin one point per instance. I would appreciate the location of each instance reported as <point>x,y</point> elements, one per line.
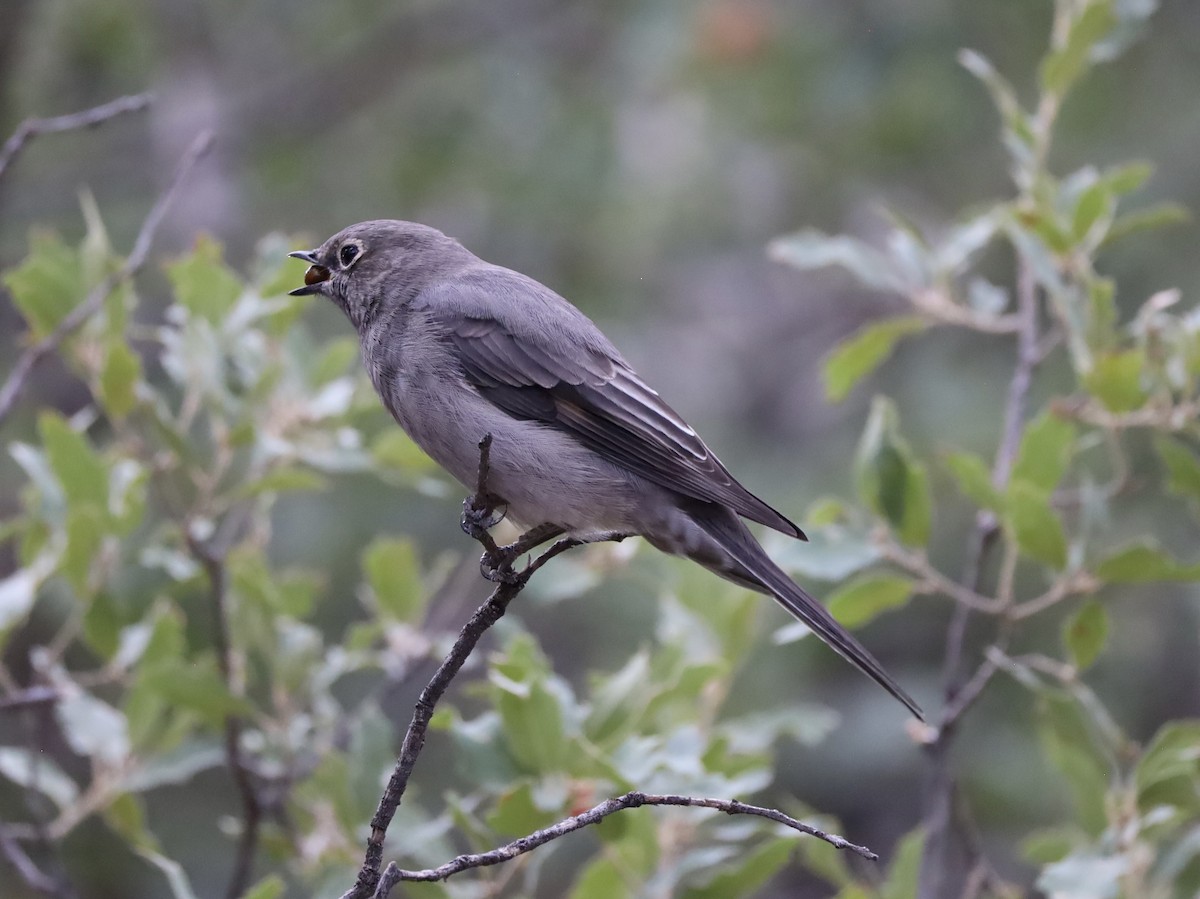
<point>498,566</point>
<point>481,516</point>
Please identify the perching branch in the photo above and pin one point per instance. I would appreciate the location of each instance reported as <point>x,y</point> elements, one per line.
<point>88,118</point>
<point>479,514</point>
<point>635,799</point>
<point>18,378</point>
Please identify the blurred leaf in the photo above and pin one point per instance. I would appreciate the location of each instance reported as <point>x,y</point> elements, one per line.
<point>1094,204</point>
<point>334,359</point>
<point>1035,524</point>
<point>48,284</point>
<point>1084,876</point>
<point>868,596</point>
<point>1160,215</point>
<point>392,571</point>
<point>177,878</point>
<point>198,687</point>
<point>533,724</point>
<point>19,589</point>
<point>126,814</point>
<point>81,472</point>
<point>1016,122</point>
<point>890,481</point>
<point>1142,563</point>
<point>811,249</point>
<point>745,874</point>
<point>203,284</point>
<point>176,766</point>
<point>986,297</point>
<point>1085,633</point>
<point>1182,464</point>
<point>118,380</point>
<point>831,554</point>
<point>905,867</point>
<point>1102,314</point>
<point>516,814</point>
<point>395,449</point>
<point>1115,379</point>
<point>1045,451</point>
<point>1174,752</point>
<point>1069,743</point>
<point>974,479</point>
<point>270,887</point>
<point>85,533</point>
<point>92,727</point>
<point>855,358</point>
<point>33,771</point>
<point>1048,845</point>
<point>284,479</point>
<point>1063,66</point>
<point>600,879</point>
<point>1128,177</point>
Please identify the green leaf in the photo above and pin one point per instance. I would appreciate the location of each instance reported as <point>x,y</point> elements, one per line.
<point>1084,876</point>
<point>270,887</point>
<point>177,766</point>
<point>81,472</point>
<point>19,590</point>
<point>890,481</point>
<point>1160,215</point>
<point>118,380</point>
<point>1037,528</point>
<point>743,875</point>
<point>1063,66</point>
<point>601,879</point>
<point>93,728</point>
<point>85,534</point>
<point>811,249</point>
<point>1102,314</point>
<point>1095,203</point>
<point>1045,451</point>
<point>284,479</point>
<point>861,354</point>
<point>196,686</point>
<point>516,813</point>
<point>1016,122</point>
<point>395,449</point>
<point>1182,464</point>
<point>392,571</point>
<point>905,868</point>
<point>533,724</point>
<point>1143,563</point>
<point>1115,379</point>
<point>1085,633</point>
<point>1070,745</point>
<point>48,284</point>
<point>974,479</point>
<point>1173,753</point>
<point>1048,845</point>
<point>203,284</point>
<point>33,771</point>
<point>1128,177</point>
<point>868,596</point>
<point>334,360</point>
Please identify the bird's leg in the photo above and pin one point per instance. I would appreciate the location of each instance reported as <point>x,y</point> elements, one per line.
<point>483,510</point>
<point>497,561</point>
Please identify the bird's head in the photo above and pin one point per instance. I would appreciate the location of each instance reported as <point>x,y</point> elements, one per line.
<point>376,264</point>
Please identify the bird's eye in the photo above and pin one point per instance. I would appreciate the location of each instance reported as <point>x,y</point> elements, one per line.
<point>348,253</point>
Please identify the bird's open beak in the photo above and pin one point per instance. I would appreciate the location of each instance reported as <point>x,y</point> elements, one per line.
<point>316,274</point>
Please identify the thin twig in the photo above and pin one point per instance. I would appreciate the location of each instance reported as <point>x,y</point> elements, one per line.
<point>18,378</point>
<point>30,696</point>
<point>211,557</point>
<point>938,874</point>
<point>33,876</point>
<point>88,118</point>
<point>634,799</point>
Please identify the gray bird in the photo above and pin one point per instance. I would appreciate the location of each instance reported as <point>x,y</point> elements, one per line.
<point>458,348</point>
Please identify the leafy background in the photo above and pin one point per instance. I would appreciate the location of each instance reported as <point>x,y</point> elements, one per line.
<point>639,158</point>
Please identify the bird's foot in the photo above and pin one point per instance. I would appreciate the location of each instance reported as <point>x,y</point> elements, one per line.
<point>496,564</point>
<point>481,513</point>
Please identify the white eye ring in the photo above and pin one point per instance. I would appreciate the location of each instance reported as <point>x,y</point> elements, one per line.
<point>350,253</point>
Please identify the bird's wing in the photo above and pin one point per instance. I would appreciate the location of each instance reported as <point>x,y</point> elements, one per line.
<point>566,374</point>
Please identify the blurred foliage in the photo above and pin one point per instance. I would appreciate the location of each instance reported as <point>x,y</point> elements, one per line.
<point>193,491</point>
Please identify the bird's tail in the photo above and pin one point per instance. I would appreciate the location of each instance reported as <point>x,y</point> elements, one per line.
<point>748,564</point>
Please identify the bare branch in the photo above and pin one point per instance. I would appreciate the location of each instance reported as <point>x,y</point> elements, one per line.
<point>30,696</point>
<point>88,118</point>
<point>394,875</point>
<point>212,560</point>
<point>18,378</point>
